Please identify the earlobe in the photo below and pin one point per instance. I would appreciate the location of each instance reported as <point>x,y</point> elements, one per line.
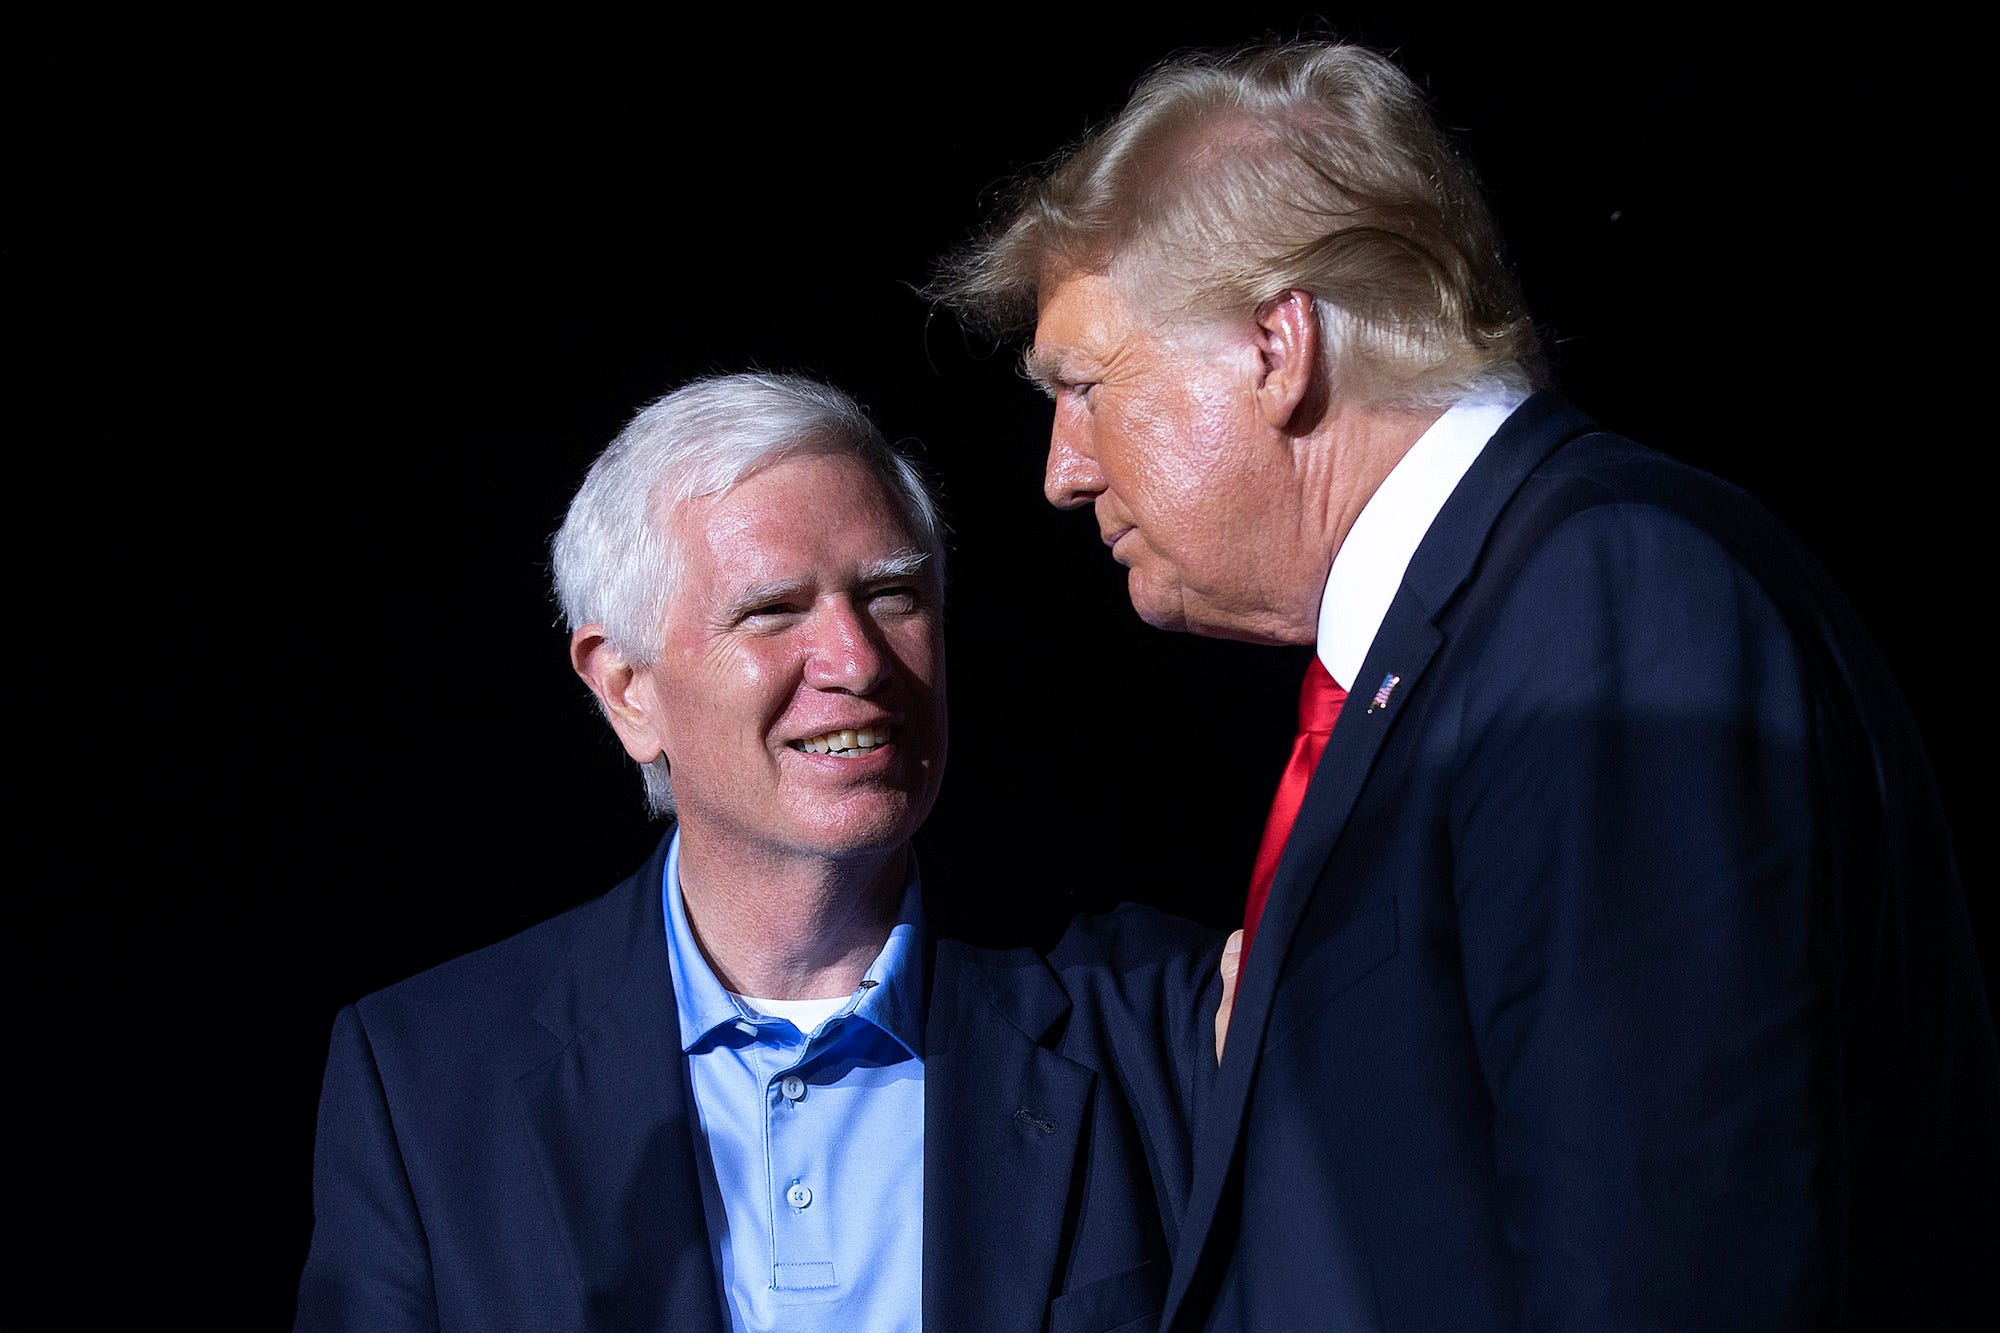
<point>623,691</point>
<point>1288,341</point>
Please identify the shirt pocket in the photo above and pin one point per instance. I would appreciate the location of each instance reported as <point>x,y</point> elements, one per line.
<point>1122,1303</point>
<point>1334,965</point>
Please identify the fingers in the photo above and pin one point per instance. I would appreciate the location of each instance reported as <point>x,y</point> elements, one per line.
<point>1232,959</point>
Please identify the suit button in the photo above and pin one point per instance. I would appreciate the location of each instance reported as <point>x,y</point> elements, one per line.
<point>794,1088</point>
<point>798,1196</point>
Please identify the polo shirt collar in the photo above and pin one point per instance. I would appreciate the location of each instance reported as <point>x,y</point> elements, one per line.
<point>890,995</point>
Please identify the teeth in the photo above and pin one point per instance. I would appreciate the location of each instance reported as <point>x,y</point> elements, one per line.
<point>851,741</point>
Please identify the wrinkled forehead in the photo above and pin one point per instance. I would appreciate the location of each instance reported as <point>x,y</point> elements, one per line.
<point>1078,317</point>
<point>809,514</point>
<point>1088,323</point>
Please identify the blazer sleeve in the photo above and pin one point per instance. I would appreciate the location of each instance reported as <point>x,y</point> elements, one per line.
<point>1634,847</point>
<point>1146,986</point>
<point>368,1266</point>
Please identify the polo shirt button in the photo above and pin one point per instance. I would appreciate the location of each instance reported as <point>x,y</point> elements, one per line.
<point>794,1088</point>
<point>798,1196</point>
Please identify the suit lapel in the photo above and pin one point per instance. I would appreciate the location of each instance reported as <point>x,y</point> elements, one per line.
<point>1003,1119</point>
<point>610,1117</point>
<point>1404,648</point>
<point>1336,784</point>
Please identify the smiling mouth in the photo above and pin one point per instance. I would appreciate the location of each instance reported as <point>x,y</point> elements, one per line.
<point>853,743</point>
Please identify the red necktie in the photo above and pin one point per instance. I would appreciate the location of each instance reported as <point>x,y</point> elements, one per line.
<point>1320,699</point>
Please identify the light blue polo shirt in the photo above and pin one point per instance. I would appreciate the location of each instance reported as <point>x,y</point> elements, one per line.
<point>816,1138</point>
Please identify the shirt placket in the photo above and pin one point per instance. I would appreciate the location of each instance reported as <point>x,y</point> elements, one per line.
<point>802,1197</point>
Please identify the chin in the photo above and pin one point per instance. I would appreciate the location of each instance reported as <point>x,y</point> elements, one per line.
<point>1173,610</point>
<point>880,827</point>
<point>1159,612</point>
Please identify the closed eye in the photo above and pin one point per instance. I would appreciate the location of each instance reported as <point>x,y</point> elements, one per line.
<point>899,599</point>
<point>765,614</point>
<point>1080,390</point>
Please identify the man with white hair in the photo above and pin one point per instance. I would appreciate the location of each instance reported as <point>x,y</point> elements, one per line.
<point>756,1086</point>
<point>1605,964</point>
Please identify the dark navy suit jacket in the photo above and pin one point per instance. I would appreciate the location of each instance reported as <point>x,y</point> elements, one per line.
<point>505,1141</point>
<point>1617,974</point>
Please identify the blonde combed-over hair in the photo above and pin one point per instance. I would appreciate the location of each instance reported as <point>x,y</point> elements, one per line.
<point>1228,179</point>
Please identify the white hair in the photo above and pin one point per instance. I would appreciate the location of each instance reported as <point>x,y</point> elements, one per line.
<point>616,558</point>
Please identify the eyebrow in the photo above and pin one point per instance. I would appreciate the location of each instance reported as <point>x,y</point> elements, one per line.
<point>908,563</point>
<point>1044,369</point>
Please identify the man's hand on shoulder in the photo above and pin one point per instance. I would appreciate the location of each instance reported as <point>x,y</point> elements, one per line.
<point>1232,959</point>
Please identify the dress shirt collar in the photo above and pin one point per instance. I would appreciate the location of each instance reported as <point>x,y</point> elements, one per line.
<point>1369,566</point>
<point>890,995</point>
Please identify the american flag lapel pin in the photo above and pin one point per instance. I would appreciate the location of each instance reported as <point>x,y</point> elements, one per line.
<point>1381,699</point>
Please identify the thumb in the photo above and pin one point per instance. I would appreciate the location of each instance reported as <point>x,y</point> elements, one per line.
<point>1232,962</point>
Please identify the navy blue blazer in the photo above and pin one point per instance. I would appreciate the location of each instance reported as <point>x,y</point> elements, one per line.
<point>505,1141</point>
<point>1617,974</point>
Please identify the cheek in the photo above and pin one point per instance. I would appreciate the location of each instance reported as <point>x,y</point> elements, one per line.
<point>736,688</point>
<point>1180,443</point>
<point>919,652</point>
<point>731,663</point>
<point>1177,496</point>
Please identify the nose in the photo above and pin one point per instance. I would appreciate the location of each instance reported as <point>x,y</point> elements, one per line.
<point>1071,478</point>
<point>846,653</point>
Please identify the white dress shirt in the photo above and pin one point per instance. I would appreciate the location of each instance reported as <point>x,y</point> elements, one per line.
<point>1369,566</point>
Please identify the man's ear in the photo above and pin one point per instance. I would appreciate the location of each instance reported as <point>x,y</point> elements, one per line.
<point>1288,339</point>
<point>624,692</point>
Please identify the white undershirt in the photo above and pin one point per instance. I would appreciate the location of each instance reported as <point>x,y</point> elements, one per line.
<point>805,1015</point>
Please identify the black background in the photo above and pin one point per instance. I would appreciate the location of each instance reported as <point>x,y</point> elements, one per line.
<point>317,320</point>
